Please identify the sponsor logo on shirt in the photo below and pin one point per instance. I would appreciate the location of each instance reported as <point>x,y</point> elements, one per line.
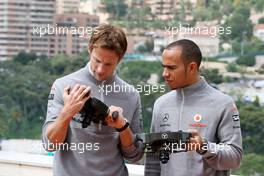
<point>165,117</point>
<point>197,118</point>
<point>198,121</point>
<point>164,120</point>
<point>51,97</point>
<point>235,117</point>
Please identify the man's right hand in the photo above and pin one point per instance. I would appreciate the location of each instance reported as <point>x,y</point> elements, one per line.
<point>74,99</point>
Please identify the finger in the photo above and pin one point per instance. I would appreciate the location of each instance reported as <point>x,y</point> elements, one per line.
<point>85,93</point>
<point>66,90</point>
<point>81,89</point>
<point>193,140</point>
<point>75,88</point>
<point>112,109</point>
<point>193,131</point>
<point>108,120</point>
<point>78,93</point>
<point>121,110</point>
<point>192,145</point>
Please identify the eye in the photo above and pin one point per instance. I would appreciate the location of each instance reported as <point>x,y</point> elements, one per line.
<point>172,67</point>
<point>108,64</point>
<point>96,60</point>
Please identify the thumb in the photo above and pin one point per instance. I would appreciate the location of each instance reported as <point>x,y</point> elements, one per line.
<point>194,132</point>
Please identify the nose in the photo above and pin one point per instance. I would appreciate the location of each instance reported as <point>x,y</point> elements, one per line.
<point>100,69</point>
<point>165,73</point>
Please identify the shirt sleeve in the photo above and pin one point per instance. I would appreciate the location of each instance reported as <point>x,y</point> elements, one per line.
<point>54,106</point>
<point>134,152</point>
<point>227,153</point>
<point>152,163</point>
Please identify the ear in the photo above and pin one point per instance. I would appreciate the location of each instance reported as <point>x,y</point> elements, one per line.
<point>193,67</point>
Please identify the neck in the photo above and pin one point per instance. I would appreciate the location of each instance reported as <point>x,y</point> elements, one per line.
<point>193,80</point>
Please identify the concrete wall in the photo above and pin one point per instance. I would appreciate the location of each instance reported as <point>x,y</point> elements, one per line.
<point>22,164</point>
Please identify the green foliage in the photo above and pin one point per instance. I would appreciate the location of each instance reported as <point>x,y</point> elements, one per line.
<point>142,48</point>
<point>261,69</point>
<point>212,75</point>
<point>147,47</point>
<point>261,20</point>
<point>117,9</point>
<point>138,73</point>
<point>252,124</point>
<point>246,60</point>
<point>207,12</point>
<point>252,164</point>
<point>250,47</point>
<point>232,67</point>
<point>24,89</point>
<point>254,46</point>
<point>25,58</point>
<point>240,24</point>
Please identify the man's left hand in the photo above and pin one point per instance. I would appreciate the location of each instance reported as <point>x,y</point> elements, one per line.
<point>119,122</point>
<point>195,142</point>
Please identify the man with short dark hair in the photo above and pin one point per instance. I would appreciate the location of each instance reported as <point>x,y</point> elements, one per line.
<point>97,149</point>
<point>193,105</point>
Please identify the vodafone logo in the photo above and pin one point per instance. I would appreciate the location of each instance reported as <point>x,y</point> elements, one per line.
<point>197,118</point>
<point>198,121</point>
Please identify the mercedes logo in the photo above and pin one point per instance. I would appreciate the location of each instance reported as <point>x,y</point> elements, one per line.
<point>164,136</point>
<point>165,118</point>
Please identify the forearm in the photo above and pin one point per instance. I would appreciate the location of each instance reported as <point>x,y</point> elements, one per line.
<point>132,148</point>
<point>56,132</point>
<point>126,137</point>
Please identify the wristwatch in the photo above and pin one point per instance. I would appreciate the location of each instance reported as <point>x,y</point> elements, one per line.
<point>124,127</point>
<point>204,147</point>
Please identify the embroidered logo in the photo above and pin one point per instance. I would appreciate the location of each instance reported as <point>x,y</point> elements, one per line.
<point>197,117</point>
<point>198,121</point>
<point>165,117</point>
<point>164,136</point>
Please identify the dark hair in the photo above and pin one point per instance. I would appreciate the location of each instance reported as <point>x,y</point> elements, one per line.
<point>109,37</point>
<point>190,52</point>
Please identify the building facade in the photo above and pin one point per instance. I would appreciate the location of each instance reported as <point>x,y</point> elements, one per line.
<point>20,21</point>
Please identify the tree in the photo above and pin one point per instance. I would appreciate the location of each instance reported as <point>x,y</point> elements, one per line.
<point>252,123</point>
<point>117,9</point>
<point>246,60</point>
<point>261,20</point>
<point>252,164</point>
<point>232,67</point>
<point>240,25</point>
<point>212,75</point>
<point>138,73</point>
<point>146,47</point>
<point>24,58</point>
<point>261,69</point>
